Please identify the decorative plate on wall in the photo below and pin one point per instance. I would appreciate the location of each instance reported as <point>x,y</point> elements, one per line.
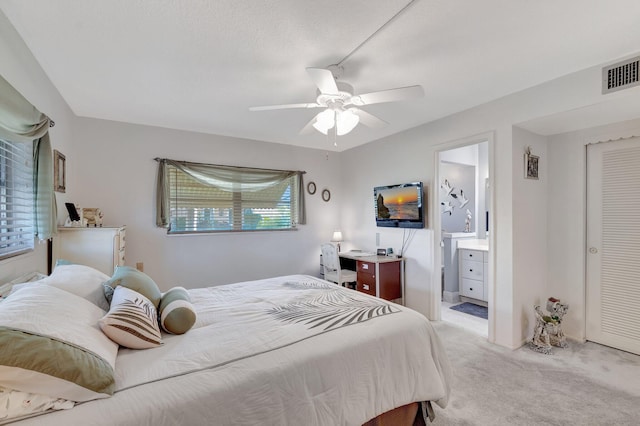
<point>311,188</point>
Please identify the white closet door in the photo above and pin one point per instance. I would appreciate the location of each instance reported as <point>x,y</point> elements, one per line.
<point>613,244</point>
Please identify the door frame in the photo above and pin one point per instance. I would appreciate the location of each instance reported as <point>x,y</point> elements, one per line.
<point>436,220</point>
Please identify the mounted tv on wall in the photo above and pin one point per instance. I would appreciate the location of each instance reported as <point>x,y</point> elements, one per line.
<point>399,206</point>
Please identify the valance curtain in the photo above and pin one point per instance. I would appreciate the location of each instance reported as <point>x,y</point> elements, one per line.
<point>22,122</point>
<point>223,178</point>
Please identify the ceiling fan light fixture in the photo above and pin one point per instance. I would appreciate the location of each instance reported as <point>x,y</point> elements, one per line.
<point>325,121</point>
<point>346,121</point>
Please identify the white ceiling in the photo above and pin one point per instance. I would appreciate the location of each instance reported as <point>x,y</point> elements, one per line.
<point>200,64</point>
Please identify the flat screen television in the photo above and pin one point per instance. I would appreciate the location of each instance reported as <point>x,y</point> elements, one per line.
<point>399,206</point>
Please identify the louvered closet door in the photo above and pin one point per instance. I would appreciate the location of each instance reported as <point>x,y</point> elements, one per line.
<point>613,244</point>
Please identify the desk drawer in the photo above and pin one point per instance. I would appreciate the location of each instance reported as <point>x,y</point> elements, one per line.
<point>366,284</point>
<point>472,269</point>
<point>366,277</point>
<point>366,267</point>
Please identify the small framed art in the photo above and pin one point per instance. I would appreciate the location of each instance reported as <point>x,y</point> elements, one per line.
<point>59,171</point>
<point>531,164</point>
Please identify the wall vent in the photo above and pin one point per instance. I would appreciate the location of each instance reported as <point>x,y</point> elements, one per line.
<point>622,75</point>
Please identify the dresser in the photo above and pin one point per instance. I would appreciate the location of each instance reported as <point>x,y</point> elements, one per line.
<point>100,248</point>
<point>473,271</point>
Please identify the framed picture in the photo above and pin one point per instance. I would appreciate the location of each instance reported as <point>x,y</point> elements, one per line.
<point>59,171</point>
<point>531,163</point>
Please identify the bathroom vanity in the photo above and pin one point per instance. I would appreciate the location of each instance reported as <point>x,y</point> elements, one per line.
<point>473,269</point>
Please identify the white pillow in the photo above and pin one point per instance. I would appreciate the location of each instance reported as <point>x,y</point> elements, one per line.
<point>81,280</point>
<point>132,320</point>
<point>6,289</point>
<point>51,345</point>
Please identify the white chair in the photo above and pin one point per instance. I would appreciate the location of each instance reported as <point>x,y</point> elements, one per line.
<point>331,264</point>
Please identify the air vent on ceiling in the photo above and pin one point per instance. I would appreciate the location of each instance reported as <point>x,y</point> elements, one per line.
<point>622,75</point>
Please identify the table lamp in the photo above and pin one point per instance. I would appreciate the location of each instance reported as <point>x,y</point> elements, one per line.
<point>337,238</point>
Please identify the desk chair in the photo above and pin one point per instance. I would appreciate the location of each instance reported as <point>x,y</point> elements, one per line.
<point>332,270</point>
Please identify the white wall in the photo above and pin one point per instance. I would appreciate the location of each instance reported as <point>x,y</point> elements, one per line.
<point>567,219</point>
<point>19,67</point>
<point>531,240</point>
<point>482,190</point>
<point>461,178</point>
<point>115,171</point>
<point>475,155</point>
<point>463,155</point>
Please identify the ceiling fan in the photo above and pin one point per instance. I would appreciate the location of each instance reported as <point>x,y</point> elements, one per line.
<point>341,112</point>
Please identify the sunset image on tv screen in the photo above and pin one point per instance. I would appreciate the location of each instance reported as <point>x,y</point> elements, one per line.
<point>398,203</point>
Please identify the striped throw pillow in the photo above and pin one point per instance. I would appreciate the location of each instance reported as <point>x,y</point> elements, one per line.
<point>132,321</point>
<point>177,314</point>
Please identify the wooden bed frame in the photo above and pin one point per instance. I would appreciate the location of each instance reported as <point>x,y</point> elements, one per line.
<point>407,415</point>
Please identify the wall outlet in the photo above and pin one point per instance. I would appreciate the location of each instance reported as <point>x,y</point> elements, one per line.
<point>377,239</point>
<point>140,266</point>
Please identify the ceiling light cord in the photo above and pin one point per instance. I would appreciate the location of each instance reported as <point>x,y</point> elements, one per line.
<point>339,64</point>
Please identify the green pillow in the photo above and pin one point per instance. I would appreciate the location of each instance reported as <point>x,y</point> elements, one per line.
<point>177,314</point>
<point>131,278</point>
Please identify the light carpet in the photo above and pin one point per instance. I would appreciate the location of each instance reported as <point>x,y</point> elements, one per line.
<point>584,384</point>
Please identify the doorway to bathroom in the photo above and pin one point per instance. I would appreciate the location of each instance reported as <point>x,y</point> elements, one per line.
<point>464,200</point>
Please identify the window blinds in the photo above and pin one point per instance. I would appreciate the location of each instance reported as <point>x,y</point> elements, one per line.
<point>200,205</point>
<point>16,198</point>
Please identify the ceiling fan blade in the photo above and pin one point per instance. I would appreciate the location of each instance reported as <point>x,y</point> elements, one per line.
<point>368,119</point>
<point>391,95</point>
<point>324,80</point>
<point>308,128</point>
<point>286,106</point>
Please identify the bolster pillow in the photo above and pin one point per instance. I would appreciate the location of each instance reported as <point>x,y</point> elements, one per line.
<point>177,314</point>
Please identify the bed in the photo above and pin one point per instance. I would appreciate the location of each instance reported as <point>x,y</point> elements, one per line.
<point>289,350</point>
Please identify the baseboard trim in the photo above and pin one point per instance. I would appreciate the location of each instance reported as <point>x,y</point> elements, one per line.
<point>474,301</point>
<point>451,296</point>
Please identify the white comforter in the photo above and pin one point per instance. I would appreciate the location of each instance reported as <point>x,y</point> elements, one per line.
<point>290,350</point>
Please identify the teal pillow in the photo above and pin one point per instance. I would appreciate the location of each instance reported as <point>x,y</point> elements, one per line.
<point>137,281</point>
<point>177,314</point>
<point>108,292</point>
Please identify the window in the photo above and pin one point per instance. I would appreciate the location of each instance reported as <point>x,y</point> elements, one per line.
<point>207,198</point>
<point>16,198</point>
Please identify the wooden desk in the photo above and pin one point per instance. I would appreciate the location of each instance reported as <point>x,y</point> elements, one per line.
<point>380,276</point>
